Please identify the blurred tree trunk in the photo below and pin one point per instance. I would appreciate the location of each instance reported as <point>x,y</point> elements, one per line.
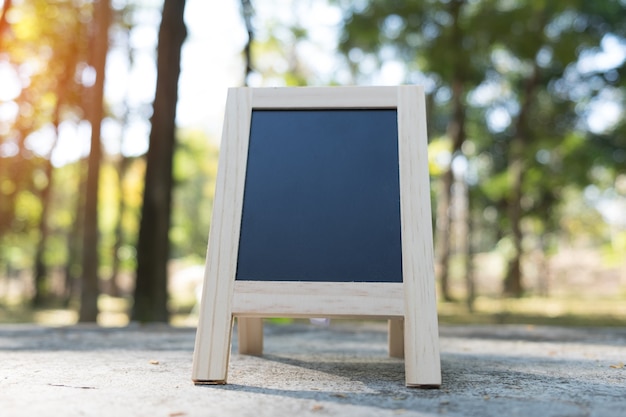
<point>121,168</point>
<point>513,285</point>
<point>89,286</point>
<point>153,246</point>
<point>64,84</point>
<point>470,282</point>
<point>41,272</point>
<point>73,265</point>
<point>443,233</point>
<point>456,132</point>
<point>513,280</point>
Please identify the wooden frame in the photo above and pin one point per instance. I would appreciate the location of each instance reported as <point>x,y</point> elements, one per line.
<point>410,306</point>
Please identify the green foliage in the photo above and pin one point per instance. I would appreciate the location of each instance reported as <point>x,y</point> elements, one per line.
<point>195,169</point>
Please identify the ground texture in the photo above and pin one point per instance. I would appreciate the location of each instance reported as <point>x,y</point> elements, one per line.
<point>312,371</point>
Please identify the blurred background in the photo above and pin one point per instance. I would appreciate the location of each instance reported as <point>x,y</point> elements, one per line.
<point>110,119</point>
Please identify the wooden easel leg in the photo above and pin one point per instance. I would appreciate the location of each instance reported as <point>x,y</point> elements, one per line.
<point>212,350</point>
<point>421,348</point>
<point>396,338</point>
<point>214,333</point>
<point>215,324</point>
<point>250,333</point>
<point>421,333</point>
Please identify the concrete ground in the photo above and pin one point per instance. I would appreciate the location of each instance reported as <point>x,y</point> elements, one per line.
<point>341,370</point>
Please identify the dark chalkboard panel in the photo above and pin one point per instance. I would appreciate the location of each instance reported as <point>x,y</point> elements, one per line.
<point>321,198</point>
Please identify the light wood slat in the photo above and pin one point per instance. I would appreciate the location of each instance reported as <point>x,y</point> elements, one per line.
<point>324,97</point>
<point>212,347</point>
<point>250,334</point>
<point>421,336</point>
<point>396,338</point>
<point>318,299</point>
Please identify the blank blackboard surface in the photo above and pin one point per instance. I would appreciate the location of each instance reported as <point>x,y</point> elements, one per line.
<point>321,198</point>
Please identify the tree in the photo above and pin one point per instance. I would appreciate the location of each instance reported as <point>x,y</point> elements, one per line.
<point>153,247</point>
<point>89,286</point>
<point>546,45</point>
<point>50,39</point>
<point>122,163</point>
<point>63,65</point>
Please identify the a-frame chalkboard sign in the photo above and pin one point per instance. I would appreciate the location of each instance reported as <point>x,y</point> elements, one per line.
<point>322,209</point>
